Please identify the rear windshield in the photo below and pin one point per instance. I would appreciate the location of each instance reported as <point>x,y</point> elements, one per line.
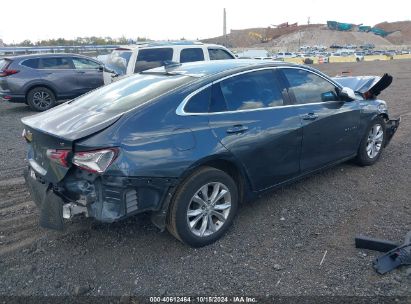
<point>4,63</point>
<point>118,61</point>
<point>128,93</point>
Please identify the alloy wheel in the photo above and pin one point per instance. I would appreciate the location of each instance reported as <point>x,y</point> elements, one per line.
<point>209,209</point>
<point>42,99</point>
<point>374,141</point>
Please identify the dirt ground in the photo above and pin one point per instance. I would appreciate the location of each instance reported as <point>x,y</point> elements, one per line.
<point>274,247</point>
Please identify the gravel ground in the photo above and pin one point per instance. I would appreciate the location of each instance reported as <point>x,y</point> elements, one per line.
<point>274,247</point>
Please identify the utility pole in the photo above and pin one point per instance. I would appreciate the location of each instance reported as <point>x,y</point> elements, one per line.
<point>225,27</point>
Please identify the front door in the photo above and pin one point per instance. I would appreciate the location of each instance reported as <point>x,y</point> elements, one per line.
<point>330,125</point>
<point>88,73</point>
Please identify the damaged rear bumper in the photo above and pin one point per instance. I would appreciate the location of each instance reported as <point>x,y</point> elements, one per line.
<point>391,127</point>
<point>106,198</point>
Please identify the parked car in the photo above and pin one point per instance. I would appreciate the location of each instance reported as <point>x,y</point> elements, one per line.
<point>40,80</point>
<point>254,54</point>
<point>359,56</point>
<point>188,144</point>
<point>137,58</point>
<point>284,55</point>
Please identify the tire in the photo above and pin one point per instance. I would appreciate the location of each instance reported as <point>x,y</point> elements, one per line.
<point>370,151</point>
<point>189,198</point>
<point>41,99</point>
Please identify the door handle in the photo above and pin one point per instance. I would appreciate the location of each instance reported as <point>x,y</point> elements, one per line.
<point>309,116</point>
<point>81,72</point>
<point>237,129</point>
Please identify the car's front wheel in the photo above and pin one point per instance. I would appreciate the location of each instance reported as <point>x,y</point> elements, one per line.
<point>41,99</point>
<point>203,207</point>
<point>372,143</point>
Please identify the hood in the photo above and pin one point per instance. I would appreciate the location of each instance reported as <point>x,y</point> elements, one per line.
<point>70,122</point>
<point>368,86</point>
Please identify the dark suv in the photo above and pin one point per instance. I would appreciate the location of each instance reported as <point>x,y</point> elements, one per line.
<point>41,79</point>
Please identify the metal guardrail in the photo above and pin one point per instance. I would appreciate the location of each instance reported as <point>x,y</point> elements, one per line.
<point>6,51</point>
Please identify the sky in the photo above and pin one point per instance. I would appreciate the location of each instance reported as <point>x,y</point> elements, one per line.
<point>165,19</point>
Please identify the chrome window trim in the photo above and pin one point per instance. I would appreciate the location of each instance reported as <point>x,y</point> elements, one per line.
<point>180,109</point>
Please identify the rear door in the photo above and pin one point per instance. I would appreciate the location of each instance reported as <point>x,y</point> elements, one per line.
<point>89,74</point>
<point>330,125</point>
<point>60,73</point>
<point>250,117</point>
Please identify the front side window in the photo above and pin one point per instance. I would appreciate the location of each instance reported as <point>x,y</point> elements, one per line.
<point>252,90</point>
<point>191,54</point>
<point>55,63</point>
<point>152,58</point>
<point>85,64</point>
<point>219,54</point>
<point>308,87</point>
<point>31,63</point>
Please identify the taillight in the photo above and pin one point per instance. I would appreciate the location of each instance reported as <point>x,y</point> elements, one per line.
<point>95,161</point>
<point>58,156</point>
<point>6,72</point>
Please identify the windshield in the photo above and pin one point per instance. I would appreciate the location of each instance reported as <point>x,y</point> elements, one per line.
<point>129,93</point>
<point>118,61</point>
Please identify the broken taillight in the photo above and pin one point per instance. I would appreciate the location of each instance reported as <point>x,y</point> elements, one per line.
<point>95,161</point>
<point>58,156</point>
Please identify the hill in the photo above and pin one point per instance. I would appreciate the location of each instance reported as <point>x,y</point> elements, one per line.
<point>290,38</point>
<point>401,31</point>
<point>325,37</point>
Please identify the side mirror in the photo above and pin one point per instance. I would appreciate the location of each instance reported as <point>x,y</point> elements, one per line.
<point>348,93</point>
<point>101,68</point>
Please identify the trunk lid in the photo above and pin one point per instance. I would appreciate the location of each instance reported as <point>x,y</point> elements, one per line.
<point>70,122</point>
<point>57,129</point>
<point>39,142</point>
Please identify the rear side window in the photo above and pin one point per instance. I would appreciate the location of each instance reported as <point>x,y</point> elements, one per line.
<point>191,54</point>
<point>219,54</point>
<point>55,63</point>
<point>85,64</point>
<point>252,90</point>
<point>152,58</point>
<point>31,63</point>
<point>199,103</point>
<point>308,87</point>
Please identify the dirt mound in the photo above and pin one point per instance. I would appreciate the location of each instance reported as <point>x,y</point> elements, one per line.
<point>325,37</point>
<point>401,31</point>
<point>290,38</point>
<point>254,36</point>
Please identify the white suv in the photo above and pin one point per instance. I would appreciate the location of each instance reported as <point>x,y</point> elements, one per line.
<point>137,58</point>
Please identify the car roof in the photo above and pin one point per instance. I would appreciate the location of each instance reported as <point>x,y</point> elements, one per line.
<point>46,55</point>
<point>212,67</point>
<point>157,44</point>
